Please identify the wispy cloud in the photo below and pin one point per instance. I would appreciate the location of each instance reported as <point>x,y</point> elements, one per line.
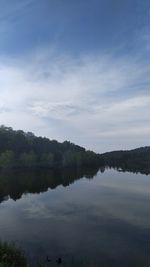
<point>87,100</point>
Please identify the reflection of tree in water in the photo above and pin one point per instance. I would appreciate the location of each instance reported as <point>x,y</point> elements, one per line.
<point>14,183</point>
<point>136,160</point>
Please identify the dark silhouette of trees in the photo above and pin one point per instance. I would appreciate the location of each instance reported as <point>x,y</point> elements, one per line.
<point>20,149</point>
<point>15,182</point>
<point>136,160</point>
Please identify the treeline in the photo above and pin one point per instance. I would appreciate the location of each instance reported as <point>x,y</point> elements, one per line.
<point>21,149</point>
<point>136,160</point>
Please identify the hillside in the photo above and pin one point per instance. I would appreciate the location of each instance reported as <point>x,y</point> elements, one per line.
<point>21,149</point>
<point>24,149</point>
<point>136,160</point>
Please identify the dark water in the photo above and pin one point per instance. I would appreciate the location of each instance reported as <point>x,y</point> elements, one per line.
<point>101,217</point>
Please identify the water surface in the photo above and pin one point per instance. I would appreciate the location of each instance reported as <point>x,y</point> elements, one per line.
<point>99,216</point>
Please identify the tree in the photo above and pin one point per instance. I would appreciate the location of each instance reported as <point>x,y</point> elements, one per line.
<point>47,160</point>
<point>28,159</point>
<point>7,159</point>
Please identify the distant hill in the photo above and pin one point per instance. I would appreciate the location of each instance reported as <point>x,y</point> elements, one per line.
<point>21,149</point>
<point>136,160</point>
<point>24,149</point>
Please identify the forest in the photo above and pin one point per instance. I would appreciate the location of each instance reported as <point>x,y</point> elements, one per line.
<point>21,149</point>
<point>24,149</point>
<point>135,160</point>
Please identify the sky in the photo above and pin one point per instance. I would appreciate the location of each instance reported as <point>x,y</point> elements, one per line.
<point>77,70</point>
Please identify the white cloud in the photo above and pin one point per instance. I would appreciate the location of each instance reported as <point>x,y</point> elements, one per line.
<point>93,101</point>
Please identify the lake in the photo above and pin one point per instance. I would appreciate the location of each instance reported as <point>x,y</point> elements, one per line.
<point>95,216</point>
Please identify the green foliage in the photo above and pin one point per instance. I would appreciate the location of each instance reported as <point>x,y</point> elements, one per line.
<point>47,160</point>
<point>10,256</point>
<point>7,159</point>
<point>69,159</point>
<point>136,160</point>
<point>20,149</point>
<point>28,159</point>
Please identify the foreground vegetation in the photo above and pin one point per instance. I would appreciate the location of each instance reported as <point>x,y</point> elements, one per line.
<point>10,256</point>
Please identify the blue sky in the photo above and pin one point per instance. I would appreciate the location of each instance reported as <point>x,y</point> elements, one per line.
<point>77,70</point>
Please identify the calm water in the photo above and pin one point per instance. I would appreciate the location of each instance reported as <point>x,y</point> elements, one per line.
<point>103,217</point>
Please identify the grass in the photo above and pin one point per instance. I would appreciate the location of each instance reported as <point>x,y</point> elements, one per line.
<point>10,256</point>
